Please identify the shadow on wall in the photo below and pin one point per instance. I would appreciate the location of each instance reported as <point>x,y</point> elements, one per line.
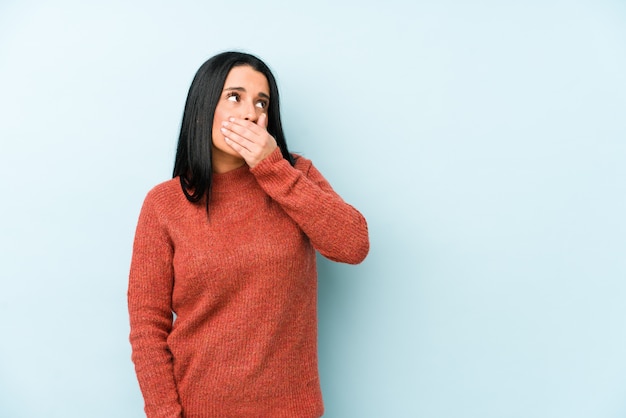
<point>336,283</point>
<point>339,315</point>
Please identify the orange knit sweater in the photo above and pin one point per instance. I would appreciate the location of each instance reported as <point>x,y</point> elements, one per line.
<point>223,309</point>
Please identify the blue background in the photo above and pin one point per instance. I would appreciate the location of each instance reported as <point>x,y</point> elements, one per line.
<point>484,141</point>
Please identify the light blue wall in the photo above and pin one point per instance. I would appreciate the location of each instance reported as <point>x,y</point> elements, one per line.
<point>484,141</point>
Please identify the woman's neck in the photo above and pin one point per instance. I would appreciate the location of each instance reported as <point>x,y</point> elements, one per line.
<point>223,162</point>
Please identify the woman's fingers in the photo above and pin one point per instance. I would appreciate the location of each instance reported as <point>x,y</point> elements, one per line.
<point>245,128</point>
<point>251,140</point>
<point>262,121</point>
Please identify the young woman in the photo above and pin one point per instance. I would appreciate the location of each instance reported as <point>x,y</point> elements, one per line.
<point>223,281</point>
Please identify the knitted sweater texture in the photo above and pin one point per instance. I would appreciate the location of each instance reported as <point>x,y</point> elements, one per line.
<point>223,310</point>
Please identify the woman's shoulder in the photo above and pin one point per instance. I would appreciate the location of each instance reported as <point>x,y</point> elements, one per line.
<point>165,192</point>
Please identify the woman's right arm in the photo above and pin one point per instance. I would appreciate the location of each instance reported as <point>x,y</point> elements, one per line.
<point>150,309</point>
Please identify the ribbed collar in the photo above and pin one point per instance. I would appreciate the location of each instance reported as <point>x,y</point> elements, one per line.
<point>233,180</point>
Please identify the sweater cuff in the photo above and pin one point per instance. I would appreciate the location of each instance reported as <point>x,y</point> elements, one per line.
<point>268,164</point>
<point>274,174</point>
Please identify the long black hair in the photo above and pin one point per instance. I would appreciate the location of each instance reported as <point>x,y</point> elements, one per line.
<point>193,155</point>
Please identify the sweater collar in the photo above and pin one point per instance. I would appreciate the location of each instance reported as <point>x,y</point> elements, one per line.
<point>232,180</point>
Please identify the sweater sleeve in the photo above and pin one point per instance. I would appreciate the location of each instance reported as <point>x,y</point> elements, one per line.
<point>336,229</point>
<point>150,310</point>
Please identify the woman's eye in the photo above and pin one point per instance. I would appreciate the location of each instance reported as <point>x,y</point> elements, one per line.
<point>261,104</point>
<point>233,97</point>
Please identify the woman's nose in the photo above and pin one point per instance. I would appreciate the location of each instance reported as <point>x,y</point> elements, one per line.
<point>249,112</point>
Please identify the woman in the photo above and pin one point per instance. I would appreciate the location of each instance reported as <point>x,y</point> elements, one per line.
<point>223,282</point>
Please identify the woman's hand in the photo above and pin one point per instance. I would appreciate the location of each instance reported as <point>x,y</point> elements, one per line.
<point>251,140</point>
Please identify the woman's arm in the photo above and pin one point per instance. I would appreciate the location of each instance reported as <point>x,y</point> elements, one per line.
<point>336,229</point>
<point>149,305</point>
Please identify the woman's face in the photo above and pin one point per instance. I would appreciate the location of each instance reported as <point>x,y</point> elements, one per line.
<point>246,95</point>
